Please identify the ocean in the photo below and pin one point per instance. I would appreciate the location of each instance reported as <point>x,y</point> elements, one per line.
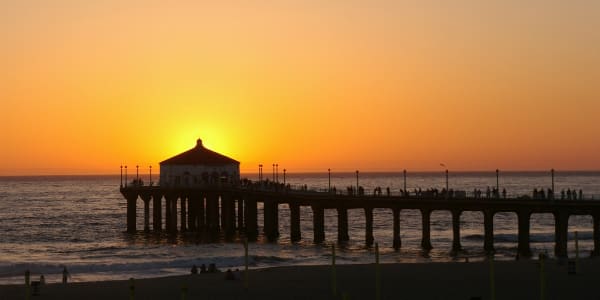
<point>79,222</point>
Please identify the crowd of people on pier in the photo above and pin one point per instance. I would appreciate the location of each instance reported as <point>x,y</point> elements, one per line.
<point>488,193</point>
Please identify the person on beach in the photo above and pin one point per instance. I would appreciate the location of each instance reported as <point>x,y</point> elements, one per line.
<point>42,279</point>
<point>202,269</point>
<point>229,275</point>
<point>194,270</point>
<point>65,275</point>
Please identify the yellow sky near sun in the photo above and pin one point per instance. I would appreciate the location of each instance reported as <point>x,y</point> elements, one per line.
<point>311,85</point>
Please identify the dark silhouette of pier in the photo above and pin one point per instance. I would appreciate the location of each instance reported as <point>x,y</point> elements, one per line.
<point>229,208</point>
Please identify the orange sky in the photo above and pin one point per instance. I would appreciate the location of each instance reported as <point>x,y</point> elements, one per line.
<point>311,85</point>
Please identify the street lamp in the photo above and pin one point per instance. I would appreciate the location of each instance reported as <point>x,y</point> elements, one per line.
<point>125,176</point>
<point>404,172</point>
<point>121,175</point>
<point>443,165</point>
<point>284,176</point>
<point>277,173</point>
<point>356,182</point>
<point>260,172</point>
<point>273,172</point>
<point>497,183</point>
<point>552,172</point>
<point>150,168</point>
<point>329,177</point>
<point>137,172</point>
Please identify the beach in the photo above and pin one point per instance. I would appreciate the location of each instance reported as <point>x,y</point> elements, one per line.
<point>457,280</point>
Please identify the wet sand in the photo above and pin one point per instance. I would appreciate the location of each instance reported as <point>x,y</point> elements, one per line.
<point>513,280</point>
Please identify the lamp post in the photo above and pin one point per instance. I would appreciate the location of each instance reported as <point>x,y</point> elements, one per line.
<point>260,172</point>
<point>329,179</point>
<point>125,176</point>
<point>404,172</point>
<point>121,175</point>
<point>284,176</point>
<point>273,172</point>
<point>356,182</point>
<point>443,165</point>
<point>497,183</point>
<point>150,168</point>
<point>137,173</point>
<point>552,172</point>
<point>277,173</point>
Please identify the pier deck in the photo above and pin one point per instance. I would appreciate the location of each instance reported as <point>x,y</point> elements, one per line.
<point>225,207</point>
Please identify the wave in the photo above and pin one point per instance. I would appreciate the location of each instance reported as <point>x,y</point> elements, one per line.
<point>533,237</point>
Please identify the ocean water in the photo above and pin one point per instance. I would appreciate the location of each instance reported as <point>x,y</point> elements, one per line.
<point>48,222</point>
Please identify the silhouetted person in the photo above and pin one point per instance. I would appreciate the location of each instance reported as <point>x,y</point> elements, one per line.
<point>569,194</point>
<point>580,194</point>
<point>202,268</point>
<point>212,268</point>
<point>42,279</point>
<point>194,270</point>
<point>562,194</point>
<point>229,275</point>
<point>504,193</point>
<point>487,192</point>
<point>65,275</point>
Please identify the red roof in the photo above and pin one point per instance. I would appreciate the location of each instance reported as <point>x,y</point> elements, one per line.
<point>200,156</point>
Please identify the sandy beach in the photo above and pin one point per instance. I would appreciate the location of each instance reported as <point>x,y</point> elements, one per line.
<point>513,280</point>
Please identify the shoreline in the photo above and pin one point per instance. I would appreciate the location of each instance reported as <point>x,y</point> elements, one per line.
<point>446,280</point>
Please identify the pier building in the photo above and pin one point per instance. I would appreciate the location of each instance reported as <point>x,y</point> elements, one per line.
<point>199,166</point>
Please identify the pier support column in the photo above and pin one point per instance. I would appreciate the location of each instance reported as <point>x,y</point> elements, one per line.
<point>523,247</point>
<point>250,214</point>
<point>271,213</point>
<point>596,233</point>
<point>173,203</point>
<point>426,229</point>
<point>183,212</point>
<point>192,218</point>
<point>168,219</point>
<point>561,227</point>
<point>212,213</point>
<point>396,235</point>
<point>240,214</point>
<point>200,213</point>
<point>131,211</point>
<point>295,234</point>
<point>488,228</point>
<point>157,211</point>
<point>228,210</point>
<point>318,224</point>
<point>456,230</point>
<point>343,225</point>
<point>146,198</point>
<point>369,226</point>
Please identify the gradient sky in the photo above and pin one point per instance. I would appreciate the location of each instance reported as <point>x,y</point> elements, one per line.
<point>372,85</point>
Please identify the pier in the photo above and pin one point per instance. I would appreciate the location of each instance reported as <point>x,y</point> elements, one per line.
<point>231,208</point>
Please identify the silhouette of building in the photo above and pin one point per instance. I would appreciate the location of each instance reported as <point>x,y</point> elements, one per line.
<point>198,166</point>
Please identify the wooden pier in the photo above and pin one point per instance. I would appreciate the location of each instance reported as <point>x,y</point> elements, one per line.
<point>229,208</point>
